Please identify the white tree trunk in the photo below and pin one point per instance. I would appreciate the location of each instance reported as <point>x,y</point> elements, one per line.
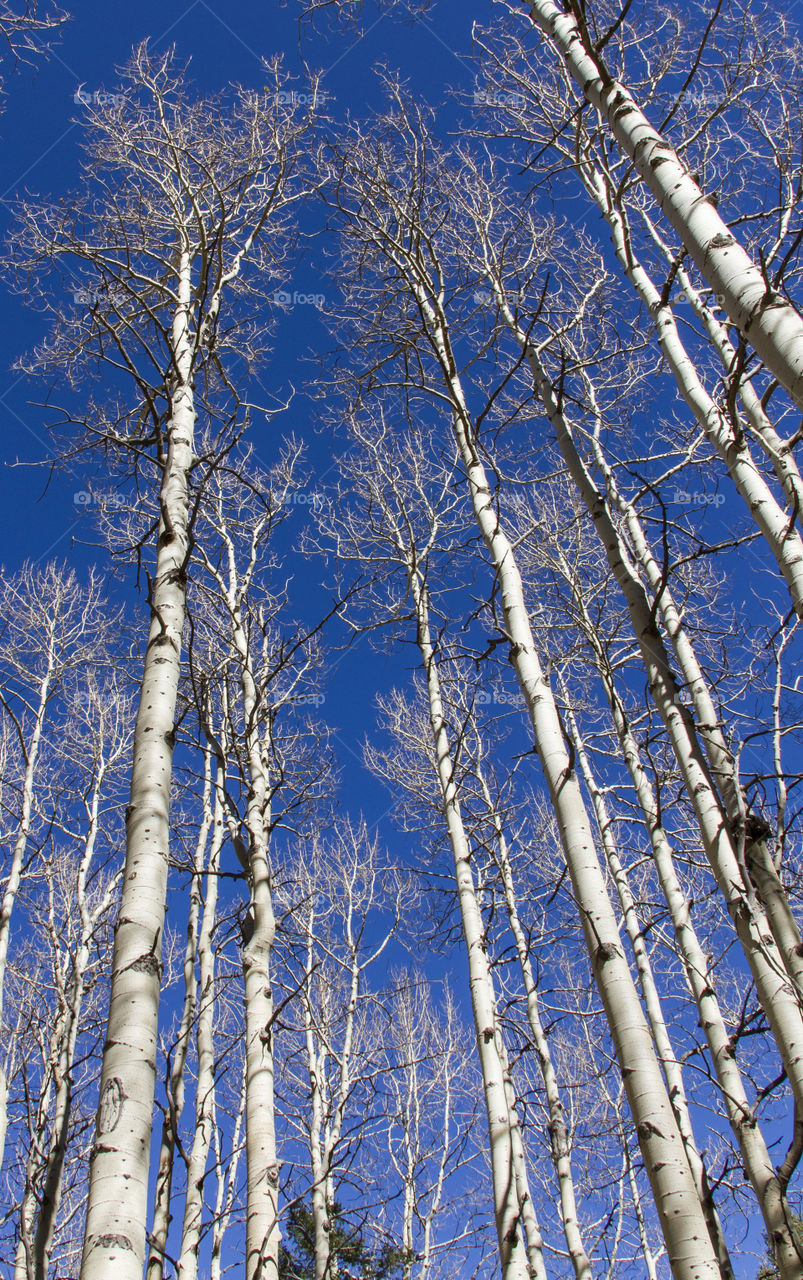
<point>205,1086</point>
<point>506,1203</point>
<point>777,449</point>
<point>680,1213</point>
<point>752,1146</point>
<point>652,1000</point>
<point>175,1087</point>
<point>18,855</point>
<point>559,1141</point>
<point>533,1239</point>
<point>117,1205</point>
<point>775,994</point>
<point>68,1030</point>
<point>766,319</point>
<point>262,1167</point>
<point>784,539</point>
<point>224,1199</point>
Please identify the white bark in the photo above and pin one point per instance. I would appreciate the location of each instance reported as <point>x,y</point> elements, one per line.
<point>224,1199</point>
<point>116,1222</point>
<point>68,1035</point>
<point>635,1195</point>
<point>262,1167</point>
<point>337,893</point>
<point>777,449</point>
<point>783,538</point>
<point>679,1210</point>
<point>175,1085</point>
<point>31,750</point>
<point>765,318</point>
<point>205,1085</point>
<point>652,1001</point>
<point>532,1232</point>
<point>746,1128</point>
<point>559,1139</point>
<point>506,1202</point>
<point>775,994</point>
<point>262,1223</point>
<point>422,1132</point>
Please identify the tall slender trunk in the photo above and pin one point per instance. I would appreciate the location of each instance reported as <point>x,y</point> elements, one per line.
<point>635,1195</point>
<point>652,1001</point>
<point>764,317</point>
<point>559,1141</point>
<point>506,1204</point>
<point>533,1240</point>
<point>53,1180</point>
<point>766,963</point>
<point>680,1213</point>
<point>18,855</point>
<point>783,538</point>
<point>117,1205</point>
<point>262,1167</point>
<point>777,449</point>
<point>175,1084</point>
<point>204,1091</point>
<point>317,1053</point>
<point>749,835</point>
<point>744,1123</point>
<point>224,1198</point>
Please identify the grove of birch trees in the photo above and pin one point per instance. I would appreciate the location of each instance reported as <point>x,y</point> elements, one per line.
<point>513,983</point>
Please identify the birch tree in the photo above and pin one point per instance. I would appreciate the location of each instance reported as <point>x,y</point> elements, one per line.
<point>346,911</point>
<point>269,667</point>
<point>386,474</point>
<point>52,627</point>
<point>183,214</point>
<point>429,1111</point>
<point>78,893</point>
<point>759,310</point>
<point>392,229</point>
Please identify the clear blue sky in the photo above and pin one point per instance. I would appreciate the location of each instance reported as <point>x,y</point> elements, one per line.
<point>40,135</point>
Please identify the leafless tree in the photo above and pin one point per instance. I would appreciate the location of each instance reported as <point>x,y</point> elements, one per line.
<point>179,232</point>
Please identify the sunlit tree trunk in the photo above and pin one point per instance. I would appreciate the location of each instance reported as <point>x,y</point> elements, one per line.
<point>783,538</point>
<point>679,1209</point>
<point>31,755</point>
<point>205,1085</point>
<point>115,1228</point>
<point>776,996</point>
<point>762,315</point>
<point>560,1144</point>
<point>175,1083</point>
<point>652,1001</point>
<point>226,1186</point>
<point>506,1202</point>
<point>702,984</point>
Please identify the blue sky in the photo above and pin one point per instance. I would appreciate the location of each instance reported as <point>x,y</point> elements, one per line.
<point>40,137</point>
<point>40,134</point>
